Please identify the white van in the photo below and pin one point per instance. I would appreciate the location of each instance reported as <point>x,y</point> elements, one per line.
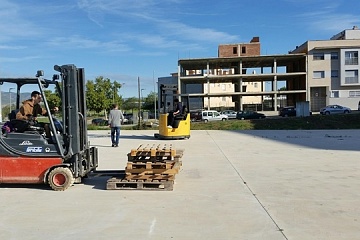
<point>213,116</point>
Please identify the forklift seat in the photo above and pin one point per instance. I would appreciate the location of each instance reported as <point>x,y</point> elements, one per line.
<point>12,114</point>
<point>183,115</point>
<point>21,126</point>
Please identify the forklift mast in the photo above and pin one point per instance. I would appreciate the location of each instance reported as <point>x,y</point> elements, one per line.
<point>167,94</point>
<point>75,137</point>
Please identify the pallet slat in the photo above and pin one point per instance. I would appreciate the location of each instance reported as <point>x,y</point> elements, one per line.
<point>172,170</point>
<point>153,150</point>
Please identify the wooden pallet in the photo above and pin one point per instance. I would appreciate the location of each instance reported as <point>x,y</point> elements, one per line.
<point>154,152</point>
<point>123,184</point>
<point>146,169</point>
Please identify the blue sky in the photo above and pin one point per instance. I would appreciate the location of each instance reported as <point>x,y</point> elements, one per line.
<point>125,39</point>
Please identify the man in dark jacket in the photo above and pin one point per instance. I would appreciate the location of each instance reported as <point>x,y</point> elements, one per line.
<point>177,111</point>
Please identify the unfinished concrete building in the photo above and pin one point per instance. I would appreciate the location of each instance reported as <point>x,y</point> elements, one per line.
<point>240,74</point>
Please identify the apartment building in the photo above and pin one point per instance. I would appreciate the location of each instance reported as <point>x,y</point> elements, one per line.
<point>333,69</point>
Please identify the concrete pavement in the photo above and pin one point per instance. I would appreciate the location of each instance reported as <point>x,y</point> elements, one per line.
<point>232,185</point>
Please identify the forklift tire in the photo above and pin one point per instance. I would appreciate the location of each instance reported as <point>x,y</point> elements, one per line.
<point>60,179</point>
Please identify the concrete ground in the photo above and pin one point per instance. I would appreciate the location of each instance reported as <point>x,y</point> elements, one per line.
<point>232,185</point>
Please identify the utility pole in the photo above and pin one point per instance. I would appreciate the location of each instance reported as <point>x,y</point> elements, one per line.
<point>139,103</point>
<point>10,97</point>
<point>155,95</point>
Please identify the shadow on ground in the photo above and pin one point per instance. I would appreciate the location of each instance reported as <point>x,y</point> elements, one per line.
<point>347,140</point>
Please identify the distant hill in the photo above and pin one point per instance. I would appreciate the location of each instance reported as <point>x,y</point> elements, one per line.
<point>5,97</point>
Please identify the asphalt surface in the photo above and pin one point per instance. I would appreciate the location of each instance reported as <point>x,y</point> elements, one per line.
<point>232,185</point>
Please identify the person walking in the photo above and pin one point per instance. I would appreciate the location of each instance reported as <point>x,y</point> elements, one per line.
<point>116,118</point>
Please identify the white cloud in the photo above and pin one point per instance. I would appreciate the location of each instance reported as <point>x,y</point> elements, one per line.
<point>19,59</point>
<point>199,34</point>
<point>328,16</point>
<point>80,42</point>
<point>149,13</point>
<point>8,47</point>
<point>13,25</point>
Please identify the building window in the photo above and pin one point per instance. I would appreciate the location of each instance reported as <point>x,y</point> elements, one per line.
<point>334,73</point>
<point>335,94</point>
<point>334,55</point>
<point>234,50</point>
<point>318,56</point>
<point>243,49</point>
<point>351,58</point>
<point>351,76</point>
<point>354,93</point>
<point>255,85</point>
<point>318,74</point>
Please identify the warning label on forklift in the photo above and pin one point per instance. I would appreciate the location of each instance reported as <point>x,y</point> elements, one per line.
<point>34,149</point>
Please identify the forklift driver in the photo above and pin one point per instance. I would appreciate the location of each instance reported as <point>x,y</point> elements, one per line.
<point>31,108</point>
<point>177,112</point>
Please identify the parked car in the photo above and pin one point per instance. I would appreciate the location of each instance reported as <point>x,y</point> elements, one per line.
<point>195,116</point>
<point>334,109</point>
<point>128,118</point>
<point>230,113</point>
<point>359,106</point>
<point>99,121</point>
<point>287,111</point>
<point>249,115</point>
<point>213,116</point>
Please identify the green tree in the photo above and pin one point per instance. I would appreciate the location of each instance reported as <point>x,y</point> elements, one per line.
<point>101,93</point>
<point>53,99</point>
<point>6,110</point>
<point>149,101</point>
<point>131,104</point>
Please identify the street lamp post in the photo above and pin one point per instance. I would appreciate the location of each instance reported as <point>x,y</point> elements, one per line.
<point>155,95</point>
<point>10,97</point>
<point>142,97</point>
<point>142,104</point>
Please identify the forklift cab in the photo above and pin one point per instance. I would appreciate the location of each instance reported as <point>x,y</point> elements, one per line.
<point>180,128</point>
<point>27,156</point>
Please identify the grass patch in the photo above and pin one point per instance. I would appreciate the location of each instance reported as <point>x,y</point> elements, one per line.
<point>340,121</point>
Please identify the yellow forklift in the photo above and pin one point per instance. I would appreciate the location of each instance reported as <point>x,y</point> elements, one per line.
<point>181,126</point>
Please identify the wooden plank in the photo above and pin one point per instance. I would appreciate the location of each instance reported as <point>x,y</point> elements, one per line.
<point>150,177</point>
<point>150,165</point>
<point>146,158</point>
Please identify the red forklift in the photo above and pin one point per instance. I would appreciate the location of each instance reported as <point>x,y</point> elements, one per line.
<point>28,156</point>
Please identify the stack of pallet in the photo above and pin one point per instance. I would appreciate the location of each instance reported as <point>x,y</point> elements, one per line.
<point>149,167</point>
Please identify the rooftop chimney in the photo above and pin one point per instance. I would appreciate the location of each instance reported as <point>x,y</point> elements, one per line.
<point>255,39</point>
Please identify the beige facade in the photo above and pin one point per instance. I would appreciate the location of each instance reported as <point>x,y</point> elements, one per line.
<point>226,102</point>
<point>333,70</point>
